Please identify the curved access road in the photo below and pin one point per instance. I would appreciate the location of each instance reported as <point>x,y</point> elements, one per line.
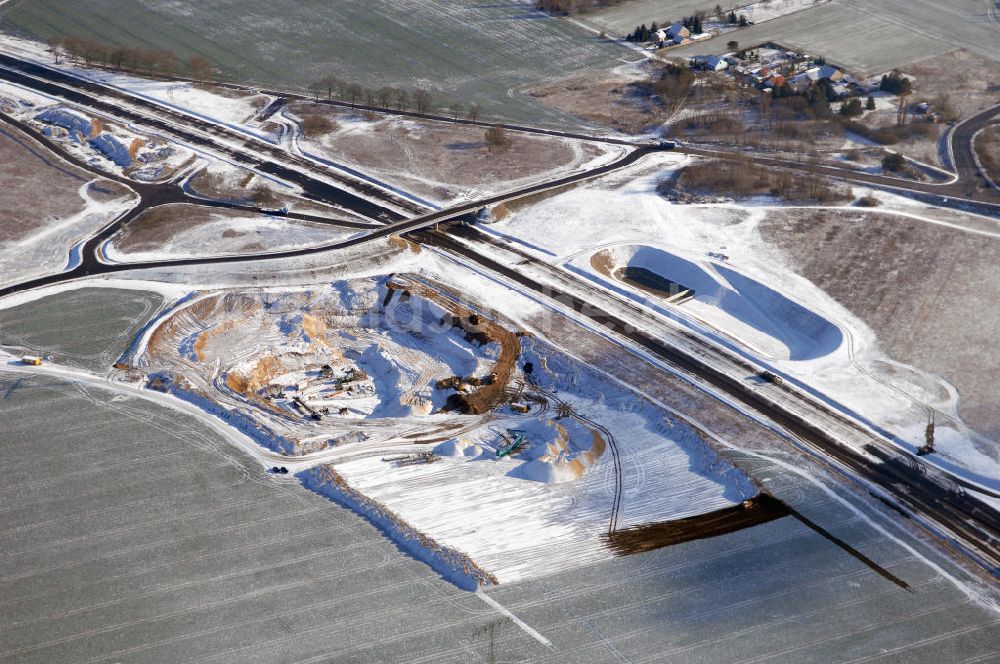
<point>92,265</point>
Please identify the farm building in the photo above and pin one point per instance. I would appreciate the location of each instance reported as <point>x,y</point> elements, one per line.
<point>709,62</point>
<point>810,76</point>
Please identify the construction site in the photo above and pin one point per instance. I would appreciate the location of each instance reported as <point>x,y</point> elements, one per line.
<point>389,396</point>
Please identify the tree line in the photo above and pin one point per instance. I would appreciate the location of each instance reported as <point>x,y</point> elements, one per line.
<point>390,98</point>
<point>151,61</point>
<point>166,63</point>
<point>567,7</point>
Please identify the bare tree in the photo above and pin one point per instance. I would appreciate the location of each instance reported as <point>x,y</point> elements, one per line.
<point>474,110</point>
<point>422,99</point>
<point>333,83</point>
<point>316,87</point>
<point>457,109</point>
<point>384,97</point>
<point>402,98</point>
<point>354,91</point>
<point>200,67</point>
<point>73,46</point>
<point>55,47</point>
<point>116,57</point>
<point>901,108</point>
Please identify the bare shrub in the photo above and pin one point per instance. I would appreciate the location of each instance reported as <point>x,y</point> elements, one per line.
<point>316,124</point>
<point>497,139</point>
<point>263,197</point>
<point>740,178</point>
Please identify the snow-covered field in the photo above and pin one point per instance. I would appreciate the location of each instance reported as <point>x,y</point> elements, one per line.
<point>462,50</point>
<point>623,18</point>
<point>252,359</point>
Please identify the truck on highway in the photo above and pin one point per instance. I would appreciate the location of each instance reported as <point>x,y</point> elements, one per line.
<point>770,377</point>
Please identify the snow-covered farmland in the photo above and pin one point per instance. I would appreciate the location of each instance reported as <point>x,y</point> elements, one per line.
<point>462,50</point>
<point>871,37</point>
<point>623,18</point>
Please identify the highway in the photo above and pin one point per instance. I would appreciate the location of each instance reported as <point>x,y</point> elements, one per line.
<point>855,451</point>
<point>315,179</point>
<point>929,496</point>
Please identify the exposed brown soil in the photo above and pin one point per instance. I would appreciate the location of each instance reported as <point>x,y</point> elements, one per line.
<point>921,287</point>
<point>601,261</point>
<point>157,226</point>
<point>481,330</point>
<point>747,514</point>
<point>615,102</point>
<point>267,368</point>
<point>38,187</point>
<point>450,159</point>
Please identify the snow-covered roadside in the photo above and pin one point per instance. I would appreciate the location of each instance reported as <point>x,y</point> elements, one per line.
<point>624,210</point>
<point>226,236</point>
<point>237,110</point>
<point>46,251</point>
<point>435,190</point>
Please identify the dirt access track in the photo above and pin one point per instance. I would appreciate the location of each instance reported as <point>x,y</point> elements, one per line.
<point>482,330</point>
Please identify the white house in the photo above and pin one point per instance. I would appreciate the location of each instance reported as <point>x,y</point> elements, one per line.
<point>708,62</point>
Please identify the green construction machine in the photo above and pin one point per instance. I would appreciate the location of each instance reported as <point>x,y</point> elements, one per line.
<point>514,442</point>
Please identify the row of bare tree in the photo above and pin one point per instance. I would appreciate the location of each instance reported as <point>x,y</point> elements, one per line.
<point>389,98</point>
<point>156,61</point>
<point>565,7</point>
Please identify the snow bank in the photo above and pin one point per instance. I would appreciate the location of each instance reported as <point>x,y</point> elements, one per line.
<point>450,563</point>
<point>729,300</point>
